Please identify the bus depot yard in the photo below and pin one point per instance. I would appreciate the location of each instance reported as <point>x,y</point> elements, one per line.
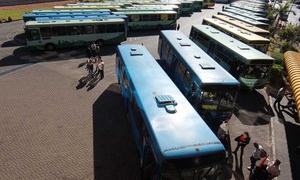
<point>51,127</point>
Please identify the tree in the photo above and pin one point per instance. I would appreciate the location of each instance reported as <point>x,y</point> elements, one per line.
<point>290,36</point>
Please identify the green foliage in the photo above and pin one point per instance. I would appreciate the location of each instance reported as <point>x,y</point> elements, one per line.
<point>276,75</point>
<point>278,56</point>
<point>290,33</point>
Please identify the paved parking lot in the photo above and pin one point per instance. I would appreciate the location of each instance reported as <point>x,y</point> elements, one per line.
<point>49,129</point>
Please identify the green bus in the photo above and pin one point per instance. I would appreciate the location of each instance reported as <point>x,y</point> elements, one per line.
<point>197,5</point>
<point>243,25</point>
<point>254,40</point>
<point>139,20</point>
<point>52,34</point>
<point>110,7</point>
<point>250,66</point>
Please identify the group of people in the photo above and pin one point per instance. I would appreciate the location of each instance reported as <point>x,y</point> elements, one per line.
<point>261,167</point>
<point>94,59</point>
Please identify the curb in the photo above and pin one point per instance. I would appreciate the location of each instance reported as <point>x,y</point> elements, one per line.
<point>272,133</point>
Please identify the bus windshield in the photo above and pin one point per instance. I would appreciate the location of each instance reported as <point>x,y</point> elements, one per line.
<point>218,100</point>
<point>254,71</point>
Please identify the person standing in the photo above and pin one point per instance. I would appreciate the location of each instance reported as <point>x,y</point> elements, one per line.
<point>273,169</point>
<point>256,155</point>
<point>100,67</point>
<point>242,141</point>
<point>90,66</point>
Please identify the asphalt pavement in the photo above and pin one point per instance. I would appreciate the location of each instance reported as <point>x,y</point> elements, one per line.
<point>53,128</point>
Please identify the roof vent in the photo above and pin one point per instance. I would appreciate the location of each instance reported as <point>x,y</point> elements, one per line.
<point>184,44</point>
<point>179,38</point>
<point>243,47</point>
<point>166,101</point>
<point>135,52</point>
<point>214,32</point>
<point>197,56</point>
<point>206,65</point>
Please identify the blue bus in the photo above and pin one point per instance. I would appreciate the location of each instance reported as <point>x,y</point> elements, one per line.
<point>172,140</point>
<point>31,16</point>
<point>209,87</point>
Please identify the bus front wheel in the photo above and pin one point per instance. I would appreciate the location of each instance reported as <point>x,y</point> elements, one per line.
<point>50,47</point>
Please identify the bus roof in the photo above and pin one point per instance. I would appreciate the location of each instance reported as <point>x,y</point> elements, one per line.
<point>242,18</point>
<point>145,12</point>
<point>241,24</point>
<point>193,56</point>
<point>181,134</point>
<point>86,7</point>
<point>249,8</point>
<point>243,34</point>
<point>246,14</point>
<point>68,10</point>
<point>109,16</point>
<point>244,50</point>
<point>146,9</point>
<point>37,14</point>
<point>72,21</point>
<point>243,10</point>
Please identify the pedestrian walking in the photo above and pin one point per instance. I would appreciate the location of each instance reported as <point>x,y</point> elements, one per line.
<point>273,169</point>
<point>256,155</point>
<point>90,67</point>
<point>101,68</point>
<point>178,27</point>
<point>242,141</point>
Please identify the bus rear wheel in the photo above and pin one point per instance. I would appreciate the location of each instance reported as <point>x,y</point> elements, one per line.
<point>50,47</point>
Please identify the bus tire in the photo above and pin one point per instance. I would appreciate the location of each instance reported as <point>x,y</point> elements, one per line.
<point>50,47</point>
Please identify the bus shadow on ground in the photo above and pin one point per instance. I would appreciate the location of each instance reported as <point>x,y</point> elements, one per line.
<point>24,55</point>
<point>115,154</point>
<point>19,40</point>
<point>252,108</point>
<point>292,135</point>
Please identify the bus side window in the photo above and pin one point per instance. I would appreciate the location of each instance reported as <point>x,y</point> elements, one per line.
<point>134,18</point>
<point>100,29</point>
<point>73,30</point>
<point>181,70</point>
<point>187,78</point>
<point>87,29</point>
<point>110,28</point>
<point>164,17</point>
<point>59,31</point>
<point>45,32</point>
<point>171,16</point>
<point>138,118</point>
<point>33,34</point>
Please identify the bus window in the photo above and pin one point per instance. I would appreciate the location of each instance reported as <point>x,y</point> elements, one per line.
<point>134,18</point>
<point>59,31</point>
<point>45,32</point>
<point>164,17</point>
<point>171,16</point>
<point>155,17</point>
<point>181,69</point>
<point>187,78</point>
<point>111,28</point>
<point>146,17</point>
<point>32,34</point>
<point>87,29</point>
<point>254,71</point>
<point>73,30</point>
<point>203,39</point>
<point>100,29</point>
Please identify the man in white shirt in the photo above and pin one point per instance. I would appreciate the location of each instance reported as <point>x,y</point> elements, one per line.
<point>273,169</point>
<point>256,155</point>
